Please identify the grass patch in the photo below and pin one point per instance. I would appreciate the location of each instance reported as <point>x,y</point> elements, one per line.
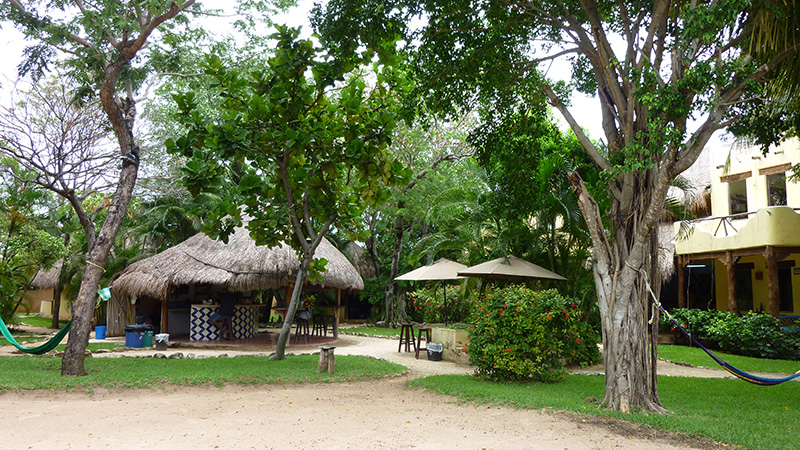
<point>697,357</point>
<point>44,372</point>
<point>724,410</point>
<point>38,321</point>
<point>372,331</point>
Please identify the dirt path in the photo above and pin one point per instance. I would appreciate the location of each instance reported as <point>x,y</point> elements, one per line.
<point>369,415</point>
<point>382,414</point>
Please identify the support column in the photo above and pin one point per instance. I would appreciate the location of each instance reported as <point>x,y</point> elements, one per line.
<point>732,305</point>
<point>336,313</point>
<point>681,282</point>
<point>164,314</point>
<point>773,291</point>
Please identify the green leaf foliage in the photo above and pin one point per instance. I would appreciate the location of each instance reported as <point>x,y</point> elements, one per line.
<point>297,144</point>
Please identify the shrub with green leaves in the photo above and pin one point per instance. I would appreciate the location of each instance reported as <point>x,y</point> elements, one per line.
<point>525,335</point>
<point>752,334</point>
<point>427,305</point>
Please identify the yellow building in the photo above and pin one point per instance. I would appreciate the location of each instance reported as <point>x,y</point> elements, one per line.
<point>750,246</point>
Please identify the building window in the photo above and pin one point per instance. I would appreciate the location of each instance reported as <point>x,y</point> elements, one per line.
<point>738,196</point>
<point>776,187</point>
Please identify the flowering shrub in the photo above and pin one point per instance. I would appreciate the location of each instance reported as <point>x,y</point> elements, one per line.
<point>427,305</point>
<point>520,334</point>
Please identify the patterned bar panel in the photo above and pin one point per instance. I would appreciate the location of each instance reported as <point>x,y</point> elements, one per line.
<point>244,322</point>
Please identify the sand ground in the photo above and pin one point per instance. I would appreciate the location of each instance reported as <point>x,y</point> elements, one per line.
<point>382,414</point>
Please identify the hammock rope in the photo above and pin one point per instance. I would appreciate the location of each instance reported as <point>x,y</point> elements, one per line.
<point>738,373</point>
<point>41,349</point>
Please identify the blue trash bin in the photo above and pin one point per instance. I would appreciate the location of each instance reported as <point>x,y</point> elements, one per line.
<point>134,335</point>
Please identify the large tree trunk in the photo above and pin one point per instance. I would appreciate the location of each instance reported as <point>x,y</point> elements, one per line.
<point>121,113</point>
<point>625,269</point>
<point>389,297</point>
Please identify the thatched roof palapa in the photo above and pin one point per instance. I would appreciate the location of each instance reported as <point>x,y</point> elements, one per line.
<point>47,278</point>
<point>239,266</point>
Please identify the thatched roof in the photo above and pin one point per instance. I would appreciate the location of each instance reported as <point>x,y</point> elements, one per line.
<point>666,250</point>
<point>47,278</point>
<point>359,257</point>
<point>238,266</point>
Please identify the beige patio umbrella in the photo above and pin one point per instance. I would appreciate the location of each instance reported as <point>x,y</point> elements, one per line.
<point>510,268</point>
<point>442,269</point>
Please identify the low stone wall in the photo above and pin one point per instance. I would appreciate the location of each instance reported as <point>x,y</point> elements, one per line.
<point>453,341</point>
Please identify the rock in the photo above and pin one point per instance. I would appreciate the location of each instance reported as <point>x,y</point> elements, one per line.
<point>103,350</point>
<point>222,355</point>
<point>176,355</point>
<point>191,356</point>
<point>159,356</point>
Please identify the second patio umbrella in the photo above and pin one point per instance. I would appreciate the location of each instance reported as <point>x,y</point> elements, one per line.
<point>442,269</point>
<point>510,268</point>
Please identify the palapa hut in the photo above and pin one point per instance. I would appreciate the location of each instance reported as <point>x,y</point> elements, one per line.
<point>40,296</point>
<point>164,286</point>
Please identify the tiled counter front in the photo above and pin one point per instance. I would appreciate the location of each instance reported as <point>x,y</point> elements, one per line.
<point>244,322</point>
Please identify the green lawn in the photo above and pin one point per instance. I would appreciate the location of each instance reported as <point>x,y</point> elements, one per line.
<point>697,357</point>
<point>25,373</point>
<point>729,411</point>
<point>38,321</point>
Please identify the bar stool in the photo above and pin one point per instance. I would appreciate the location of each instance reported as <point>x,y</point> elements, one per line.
<point>226,328</point>
<point>302,331</point>
<point>320,327</point>
<point>407,337</point>
<point>427,332</point>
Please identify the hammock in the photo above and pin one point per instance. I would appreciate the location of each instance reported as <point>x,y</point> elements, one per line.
<point>741,374</point>
<point>40,350</point>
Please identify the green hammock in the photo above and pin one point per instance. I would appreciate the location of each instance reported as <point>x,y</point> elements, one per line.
<point>40,350</point>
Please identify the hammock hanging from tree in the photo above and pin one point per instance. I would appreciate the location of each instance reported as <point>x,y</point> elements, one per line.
<point>40,350</point>
<point>741,374</point>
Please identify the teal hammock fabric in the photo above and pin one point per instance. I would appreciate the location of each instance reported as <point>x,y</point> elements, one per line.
<point>40,350</point>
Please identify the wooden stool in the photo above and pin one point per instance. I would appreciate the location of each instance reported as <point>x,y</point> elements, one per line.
<point>407,337</point>
<point>320,327</point>
<point>226,328</point>
<point>327,360</point>
<point>427,332</point>
<point>302,331</point>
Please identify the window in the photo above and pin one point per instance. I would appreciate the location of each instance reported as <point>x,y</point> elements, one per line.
<point>776,188</point>
<point>738,196</point>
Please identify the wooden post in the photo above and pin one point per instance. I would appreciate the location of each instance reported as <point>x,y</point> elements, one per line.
<point>327,360</point>
<point>336,313</point>
<point>681,283</point>
<point>164,314</point>
<point>773,291</point>
<point>733,307</point>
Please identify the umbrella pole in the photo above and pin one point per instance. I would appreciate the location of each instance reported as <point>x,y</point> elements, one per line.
<point>444,295</point>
